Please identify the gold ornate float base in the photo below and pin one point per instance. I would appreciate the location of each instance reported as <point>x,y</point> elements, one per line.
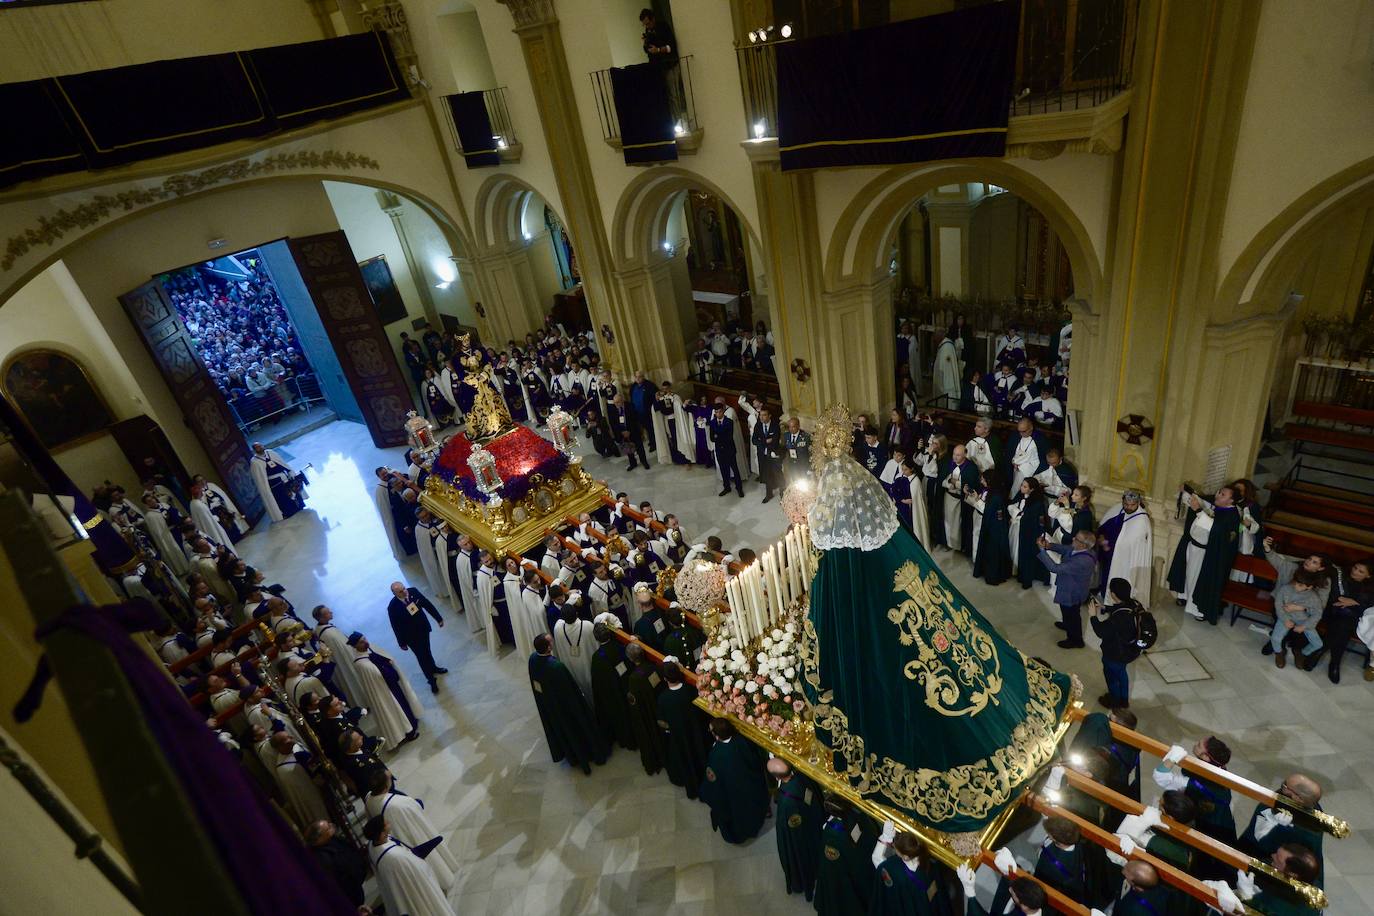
<point>515,526</point>
<point>811,758</point>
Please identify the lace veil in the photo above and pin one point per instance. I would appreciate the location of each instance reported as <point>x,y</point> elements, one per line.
<point>852,509</point>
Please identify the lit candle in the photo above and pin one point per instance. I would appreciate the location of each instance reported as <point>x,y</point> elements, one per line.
<point>775,585</point>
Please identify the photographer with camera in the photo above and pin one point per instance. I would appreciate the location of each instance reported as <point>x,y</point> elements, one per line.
<point>1126,629</point>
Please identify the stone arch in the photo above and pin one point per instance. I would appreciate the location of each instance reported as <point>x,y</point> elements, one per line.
<point>1255,283</point>
<point>641,215</point>
<point>501,203</point>
<point>458,239</point>
<point>864,232</point>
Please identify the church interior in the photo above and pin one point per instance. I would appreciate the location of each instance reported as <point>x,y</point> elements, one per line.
<point>723,456</point>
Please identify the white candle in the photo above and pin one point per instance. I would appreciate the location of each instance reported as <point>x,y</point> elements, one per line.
<point>775,586</point>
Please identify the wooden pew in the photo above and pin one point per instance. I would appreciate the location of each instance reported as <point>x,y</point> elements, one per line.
<point>1242,596</point>
<point>1326,508</point>
<point>1318,489</point>
<point>1334,413</point>
<point>958,427</point>
<point>1301,434</point>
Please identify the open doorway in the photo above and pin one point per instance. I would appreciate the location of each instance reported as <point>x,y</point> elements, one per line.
<point>299,301</point>
<point>248,331</point>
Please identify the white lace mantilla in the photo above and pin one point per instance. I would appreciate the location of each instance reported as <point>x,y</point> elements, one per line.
<point>852,509</point>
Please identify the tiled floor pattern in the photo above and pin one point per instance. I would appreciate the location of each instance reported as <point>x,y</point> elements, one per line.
<point>538,838</point>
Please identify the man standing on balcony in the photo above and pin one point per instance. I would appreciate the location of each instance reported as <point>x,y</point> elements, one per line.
<point>658,40</point>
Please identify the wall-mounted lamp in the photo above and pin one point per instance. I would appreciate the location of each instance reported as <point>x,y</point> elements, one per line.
<point>526,234</point>
<point>444,285</point>
<point>760,129</point>
<point>500,141</point>
<point>679,129</point>
<point>786,30</point>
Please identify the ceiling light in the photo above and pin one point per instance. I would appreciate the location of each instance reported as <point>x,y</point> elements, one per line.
<point>444,285</point>
<point>754,37</point>
<point>787,30</point>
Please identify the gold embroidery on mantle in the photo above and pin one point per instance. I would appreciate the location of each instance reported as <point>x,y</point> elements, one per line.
<point>952,663</point>
<point>970,790</point>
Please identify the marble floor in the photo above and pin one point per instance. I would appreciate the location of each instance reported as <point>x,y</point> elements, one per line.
<point>535,837</point>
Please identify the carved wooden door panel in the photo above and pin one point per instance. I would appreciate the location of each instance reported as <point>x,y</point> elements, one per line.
<point>202,405</point>
<point>331,274</point>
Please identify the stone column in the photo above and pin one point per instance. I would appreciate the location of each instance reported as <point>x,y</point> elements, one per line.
<point>512,303</point>
<point>542,42</point>
<point>651,305</point>
<point>393,207</point>
<point>1160,347</point>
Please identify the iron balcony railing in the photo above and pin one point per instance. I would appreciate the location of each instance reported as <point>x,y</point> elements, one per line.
<point>681,99</point>
<point>1070,54</point>
<point>502,129</point>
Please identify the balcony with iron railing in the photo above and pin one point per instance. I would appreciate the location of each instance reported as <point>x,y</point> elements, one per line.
<point>681,101</point>
<point>1072,88</point>
<point>502,129</point>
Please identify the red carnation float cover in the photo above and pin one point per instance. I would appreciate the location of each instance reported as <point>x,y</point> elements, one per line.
<point>519,454</point>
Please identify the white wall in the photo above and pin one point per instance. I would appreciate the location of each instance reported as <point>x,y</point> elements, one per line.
<point>624,34</point>
<point>51,312</point>
<point>73,38</point>
<point>465,48</point>
<point>1309,110</point>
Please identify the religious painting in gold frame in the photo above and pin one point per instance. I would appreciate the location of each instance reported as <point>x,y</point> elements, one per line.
<point>55,395</point>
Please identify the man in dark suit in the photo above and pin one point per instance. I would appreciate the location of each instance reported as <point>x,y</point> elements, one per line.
<point>341,860</point>
<point>628,433</point>
<point>768,445</point>
<point>407,612</point>
<point>721,430</point>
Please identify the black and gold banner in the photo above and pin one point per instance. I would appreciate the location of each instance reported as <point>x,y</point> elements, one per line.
<point>472,123</point>
<point>645,115</point>
<point>126,114</point>
<point>938,87</point>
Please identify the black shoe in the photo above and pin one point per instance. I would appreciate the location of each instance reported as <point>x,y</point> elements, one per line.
<point>1070,644</point>
<point>741,493</point>
<point>725,492</point>
<point>1333,673</point>
<point>1108,701</point>
<point>1180,602</point>
<point>1268,649</point>
<point>434,686</point>
<point>1060,625</point>
<point>768,498</point>
<point>410,737</point>
<point>441,671</point>
<point>631,468</point>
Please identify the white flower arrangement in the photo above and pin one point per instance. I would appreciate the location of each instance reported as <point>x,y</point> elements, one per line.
<point>763,688</point>
<point>700,586</point>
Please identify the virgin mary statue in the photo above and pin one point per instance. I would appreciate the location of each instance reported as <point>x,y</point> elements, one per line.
<point>478,398</point>
<point>922,703</point>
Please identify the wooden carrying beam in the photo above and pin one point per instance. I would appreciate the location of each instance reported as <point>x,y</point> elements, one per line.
<point>1169,874</point>
<point>656,525</point>
<point>659,602</point>
<point>1332,825</point>
<point>1058,899</point>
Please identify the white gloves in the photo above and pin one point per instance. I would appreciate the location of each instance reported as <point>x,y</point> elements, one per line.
<point>1175,754</point>
<point>1005,862</point>
<point>966,878</point>
<point>1270,819</point>
<point>1150,817</point>
<point>1245,885</point>
<point>889,832</point>
<point>1128,845</point>
<point>1096,913</point>
<point>1227,901</point>
<point>1055,780</point>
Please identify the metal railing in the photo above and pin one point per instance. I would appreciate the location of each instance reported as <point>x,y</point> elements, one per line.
<point>1070,54</point>
<point>300,392</point>
<point>502,129</point>
<point>681,99</point>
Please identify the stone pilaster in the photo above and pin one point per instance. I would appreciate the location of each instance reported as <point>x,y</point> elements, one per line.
<point>541,40</point>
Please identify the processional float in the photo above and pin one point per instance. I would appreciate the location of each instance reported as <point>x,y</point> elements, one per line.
<point>845,650</point>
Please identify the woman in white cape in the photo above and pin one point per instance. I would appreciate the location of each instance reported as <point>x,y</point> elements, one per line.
<point>682,426</point>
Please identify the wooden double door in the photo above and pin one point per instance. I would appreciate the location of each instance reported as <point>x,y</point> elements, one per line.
<point>330,273</point>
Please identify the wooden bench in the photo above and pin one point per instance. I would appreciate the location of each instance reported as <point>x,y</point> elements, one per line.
<point>1319,489</point>
<point>1334,413</point>
<point>958,426</point>
<point>1326,508</point>
<point>1243,597</point>
<point>1301,434</point>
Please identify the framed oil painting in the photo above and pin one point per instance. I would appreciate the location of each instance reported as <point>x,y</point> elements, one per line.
<point>382,285</point>
<point>55,396</point>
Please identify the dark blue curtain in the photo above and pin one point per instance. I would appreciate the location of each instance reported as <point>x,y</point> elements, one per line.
<point>473,123</point>
<point>933,88</point>
<point>646,117</point>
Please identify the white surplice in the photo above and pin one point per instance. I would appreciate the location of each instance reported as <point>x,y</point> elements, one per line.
<point>381,495</point>
<point>574,644</point>
<point>406,818</point>
<point>409,886</point>
<point>387,715</point>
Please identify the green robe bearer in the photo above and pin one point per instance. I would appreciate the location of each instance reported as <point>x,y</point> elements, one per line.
<point>1154,902</point>
<point>1222,542</point>
<point>684,641</point>
<point>735,788</point>
<point>844,882</point>
<point>641,693</point>
<point>610,676</point>
<point>797,823</point>
<point>684,726</point>
<point>650,629</point>
<point>569,727</point>
<point>900,890</point>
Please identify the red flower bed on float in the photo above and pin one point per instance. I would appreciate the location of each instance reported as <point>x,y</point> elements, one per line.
<point>519,454</point>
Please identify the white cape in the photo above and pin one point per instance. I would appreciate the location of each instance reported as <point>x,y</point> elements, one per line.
<point>239,521</point>
<point>945,378</point>
<point>161,536</point>
<point>467,587</point>
<point>387,715</point>
<point>1133,556</point>
<point>406,818</point>
<point>207,523</point>
<point>486,600</point>
<point>259,469</point>
<point>574,644</point>
<point>381,495</point>
<point>920,521</point>
<point>341,653</point>
<point>429,559</point>
<point>519,621</point>
<point>408,884</point>
<point>301,794</point>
